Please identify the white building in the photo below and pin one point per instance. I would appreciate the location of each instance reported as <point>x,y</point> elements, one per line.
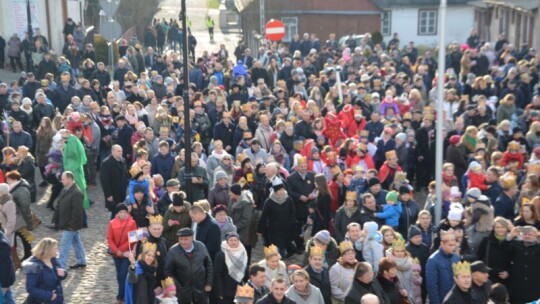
<point>418,20</point>
<point>47,15</point>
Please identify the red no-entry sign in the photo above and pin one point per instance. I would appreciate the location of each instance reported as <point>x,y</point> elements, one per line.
<point>275,30</point>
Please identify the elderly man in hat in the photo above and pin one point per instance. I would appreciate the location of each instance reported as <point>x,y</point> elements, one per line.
<point>190,265</point>
<point>481,285</point>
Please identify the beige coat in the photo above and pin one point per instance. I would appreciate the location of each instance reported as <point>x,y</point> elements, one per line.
<point>10,219</point>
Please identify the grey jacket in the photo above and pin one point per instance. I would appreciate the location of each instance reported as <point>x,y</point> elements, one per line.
<point>69,213</point>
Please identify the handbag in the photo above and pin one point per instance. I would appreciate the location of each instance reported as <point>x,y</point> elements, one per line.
<point>35,221</point>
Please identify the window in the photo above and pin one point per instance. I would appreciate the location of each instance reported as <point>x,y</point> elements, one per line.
<point>291,27</point>
<point>427,22</point>
<point>386,23</point>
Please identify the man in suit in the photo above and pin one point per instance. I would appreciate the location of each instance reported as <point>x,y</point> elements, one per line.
<point>301,185</point>
<point>114,179</point>
<point>69,216</point>
<point>207,230</point>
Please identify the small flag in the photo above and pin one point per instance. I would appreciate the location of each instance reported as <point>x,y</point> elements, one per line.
<point>137,235</point>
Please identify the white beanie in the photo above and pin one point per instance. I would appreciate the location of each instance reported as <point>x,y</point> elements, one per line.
<point>4,188</point>
<point>456,212</point>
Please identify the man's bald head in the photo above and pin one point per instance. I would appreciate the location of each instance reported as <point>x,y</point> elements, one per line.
<point>369,299</point>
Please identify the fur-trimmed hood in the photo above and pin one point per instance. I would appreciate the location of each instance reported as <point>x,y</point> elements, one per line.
<point>482,217</point>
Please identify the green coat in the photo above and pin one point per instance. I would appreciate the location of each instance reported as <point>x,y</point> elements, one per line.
<point>169,232</point>
<point>74,161</point>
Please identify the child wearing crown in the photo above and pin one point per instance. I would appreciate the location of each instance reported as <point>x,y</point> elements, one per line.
<point>168,296</point>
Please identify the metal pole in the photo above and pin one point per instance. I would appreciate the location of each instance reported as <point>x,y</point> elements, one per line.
<point>338,82</point>
<point>263,17</point>
<point>440,114</point>
<point>187,124</point>
<point>111,45</point>
<point>30,34</point>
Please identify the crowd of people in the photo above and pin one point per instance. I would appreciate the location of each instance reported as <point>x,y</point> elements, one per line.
<point>318,152</point>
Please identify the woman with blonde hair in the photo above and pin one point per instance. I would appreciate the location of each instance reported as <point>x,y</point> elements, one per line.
<point>303,292</point>
<point>274,265</point>
<point>492,250</point>
<point>533,135</point>
<point>44,275</point>
<point>469,140</point>
<point>142,276</point>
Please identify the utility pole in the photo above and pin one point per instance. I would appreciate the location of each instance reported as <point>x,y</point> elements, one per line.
<point>188,170</point>
<point>30,34</point>
<point>440,114</point>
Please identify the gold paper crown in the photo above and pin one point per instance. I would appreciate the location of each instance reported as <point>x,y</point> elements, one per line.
<point>398,244</point>
<point>134,170</point>
<point>448,235</point>
<point>513,145</point>
<point>156,219</point>
<point>416,261</point>
<point>148,246</point>
<point>302,160</point>
<point>163,129</point>
<point>507,181</point>
<point>428,115</point>
<point>407,116</point>
<point>316,250</point>
<point>288,124</point>
<point>246,107</point>
<point>400,177</point>
<point>167,282</point>
<point>351,195</point>
<point>461,268</point>
<point>364,133</point>
<point>344,246</point>
<point>390,154</point>
<point>245,291</point>
<point>270,251</point>
<point>226,114</point>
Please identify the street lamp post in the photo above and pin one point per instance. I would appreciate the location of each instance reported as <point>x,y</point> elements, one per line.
<point>187,124</point>
<point>30,34</point>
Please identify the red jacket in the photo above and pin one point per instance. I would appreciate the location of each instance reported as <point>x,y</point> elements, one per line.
<point>387,171</point>
<point>334,190</point>
<point>117,239</point>
<point>477,180</point>
<point>351,162</point>
<point>507,157</point>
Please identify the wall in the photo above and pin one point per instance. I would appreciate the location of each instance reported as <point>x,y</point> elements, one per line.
<point>459,21</point>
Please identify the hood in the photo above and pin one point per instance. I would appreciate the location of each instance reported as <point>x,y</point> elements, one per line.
<point>5,198</point>
<point>371,228</point>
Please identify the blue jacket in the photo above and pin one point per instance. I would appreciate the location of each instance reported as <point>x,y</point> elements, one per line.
<point>41,281</point>
<point>63,97</point>
<point>439,275</point>
<point>391,214</point>
<point>504,206</point>
<point>163,165</point>
<point>22,138</point>
<point>131,189</point>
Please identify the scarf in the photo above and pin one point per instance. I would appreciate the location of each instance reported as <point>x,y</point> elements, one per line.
<point>236,260</point>
<point>304,294</point>
<point>132,119</point>
<point>349,211</point>
<point>402,264</point>
<point>279,199</point>
<point>148,272</point>
<point>448,180</point>
<point>347,265</point>
<point>218,156</point>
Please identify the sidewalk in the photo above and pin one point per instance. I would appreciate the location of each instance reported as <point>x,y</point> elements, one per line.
<point>8,76</point>
<point>197,11</point>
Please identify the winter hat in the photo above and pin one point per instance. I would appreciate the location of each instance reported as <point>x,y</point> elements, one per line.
<point>473,166</point>
<point>219,175</point>
<point>373,181</point>
<point>177,200</point>
<point>4,188</point>
<point>139,189</point>
<point>404,190</point>
<point>277,184</point>
<point>454,139</point>
<point>401,136</point>
<point>26,101</point>
<point>474,193</point>
<point>323,236</point>
<point>120,207</point>
<point>456,212</point>
<point>416,266</point>
<point>371,228</point>
<point>236,189</point>
<point>391,196</point>
<point>414,231</point>
<point>454,192</point>
<point>218,209</point>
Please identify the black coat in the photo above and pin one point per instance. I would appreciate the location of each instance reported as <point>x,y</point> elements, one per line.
<point>63,97</point>
<point>69,213</point>
<point>224,284</point>
<point>299,187</point>
<point>269,299</point>
<point>390,288</point>
<point>276,222</point>
<point>457,296</point>
<point>408,217</point>
<point>124,140</point>
<point>456,155</point>
<point>259,292</point>
<point>321,281</point>
<point>494,254</point>
<point>524,269</point>
<point>209,234</point>
<point>7,275</point>
<point>225,134</point>
<point>191,273</point>
<point>114,180</point>
<point>359,289</point>
<point>322,213</point>
<point>341,221</point>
